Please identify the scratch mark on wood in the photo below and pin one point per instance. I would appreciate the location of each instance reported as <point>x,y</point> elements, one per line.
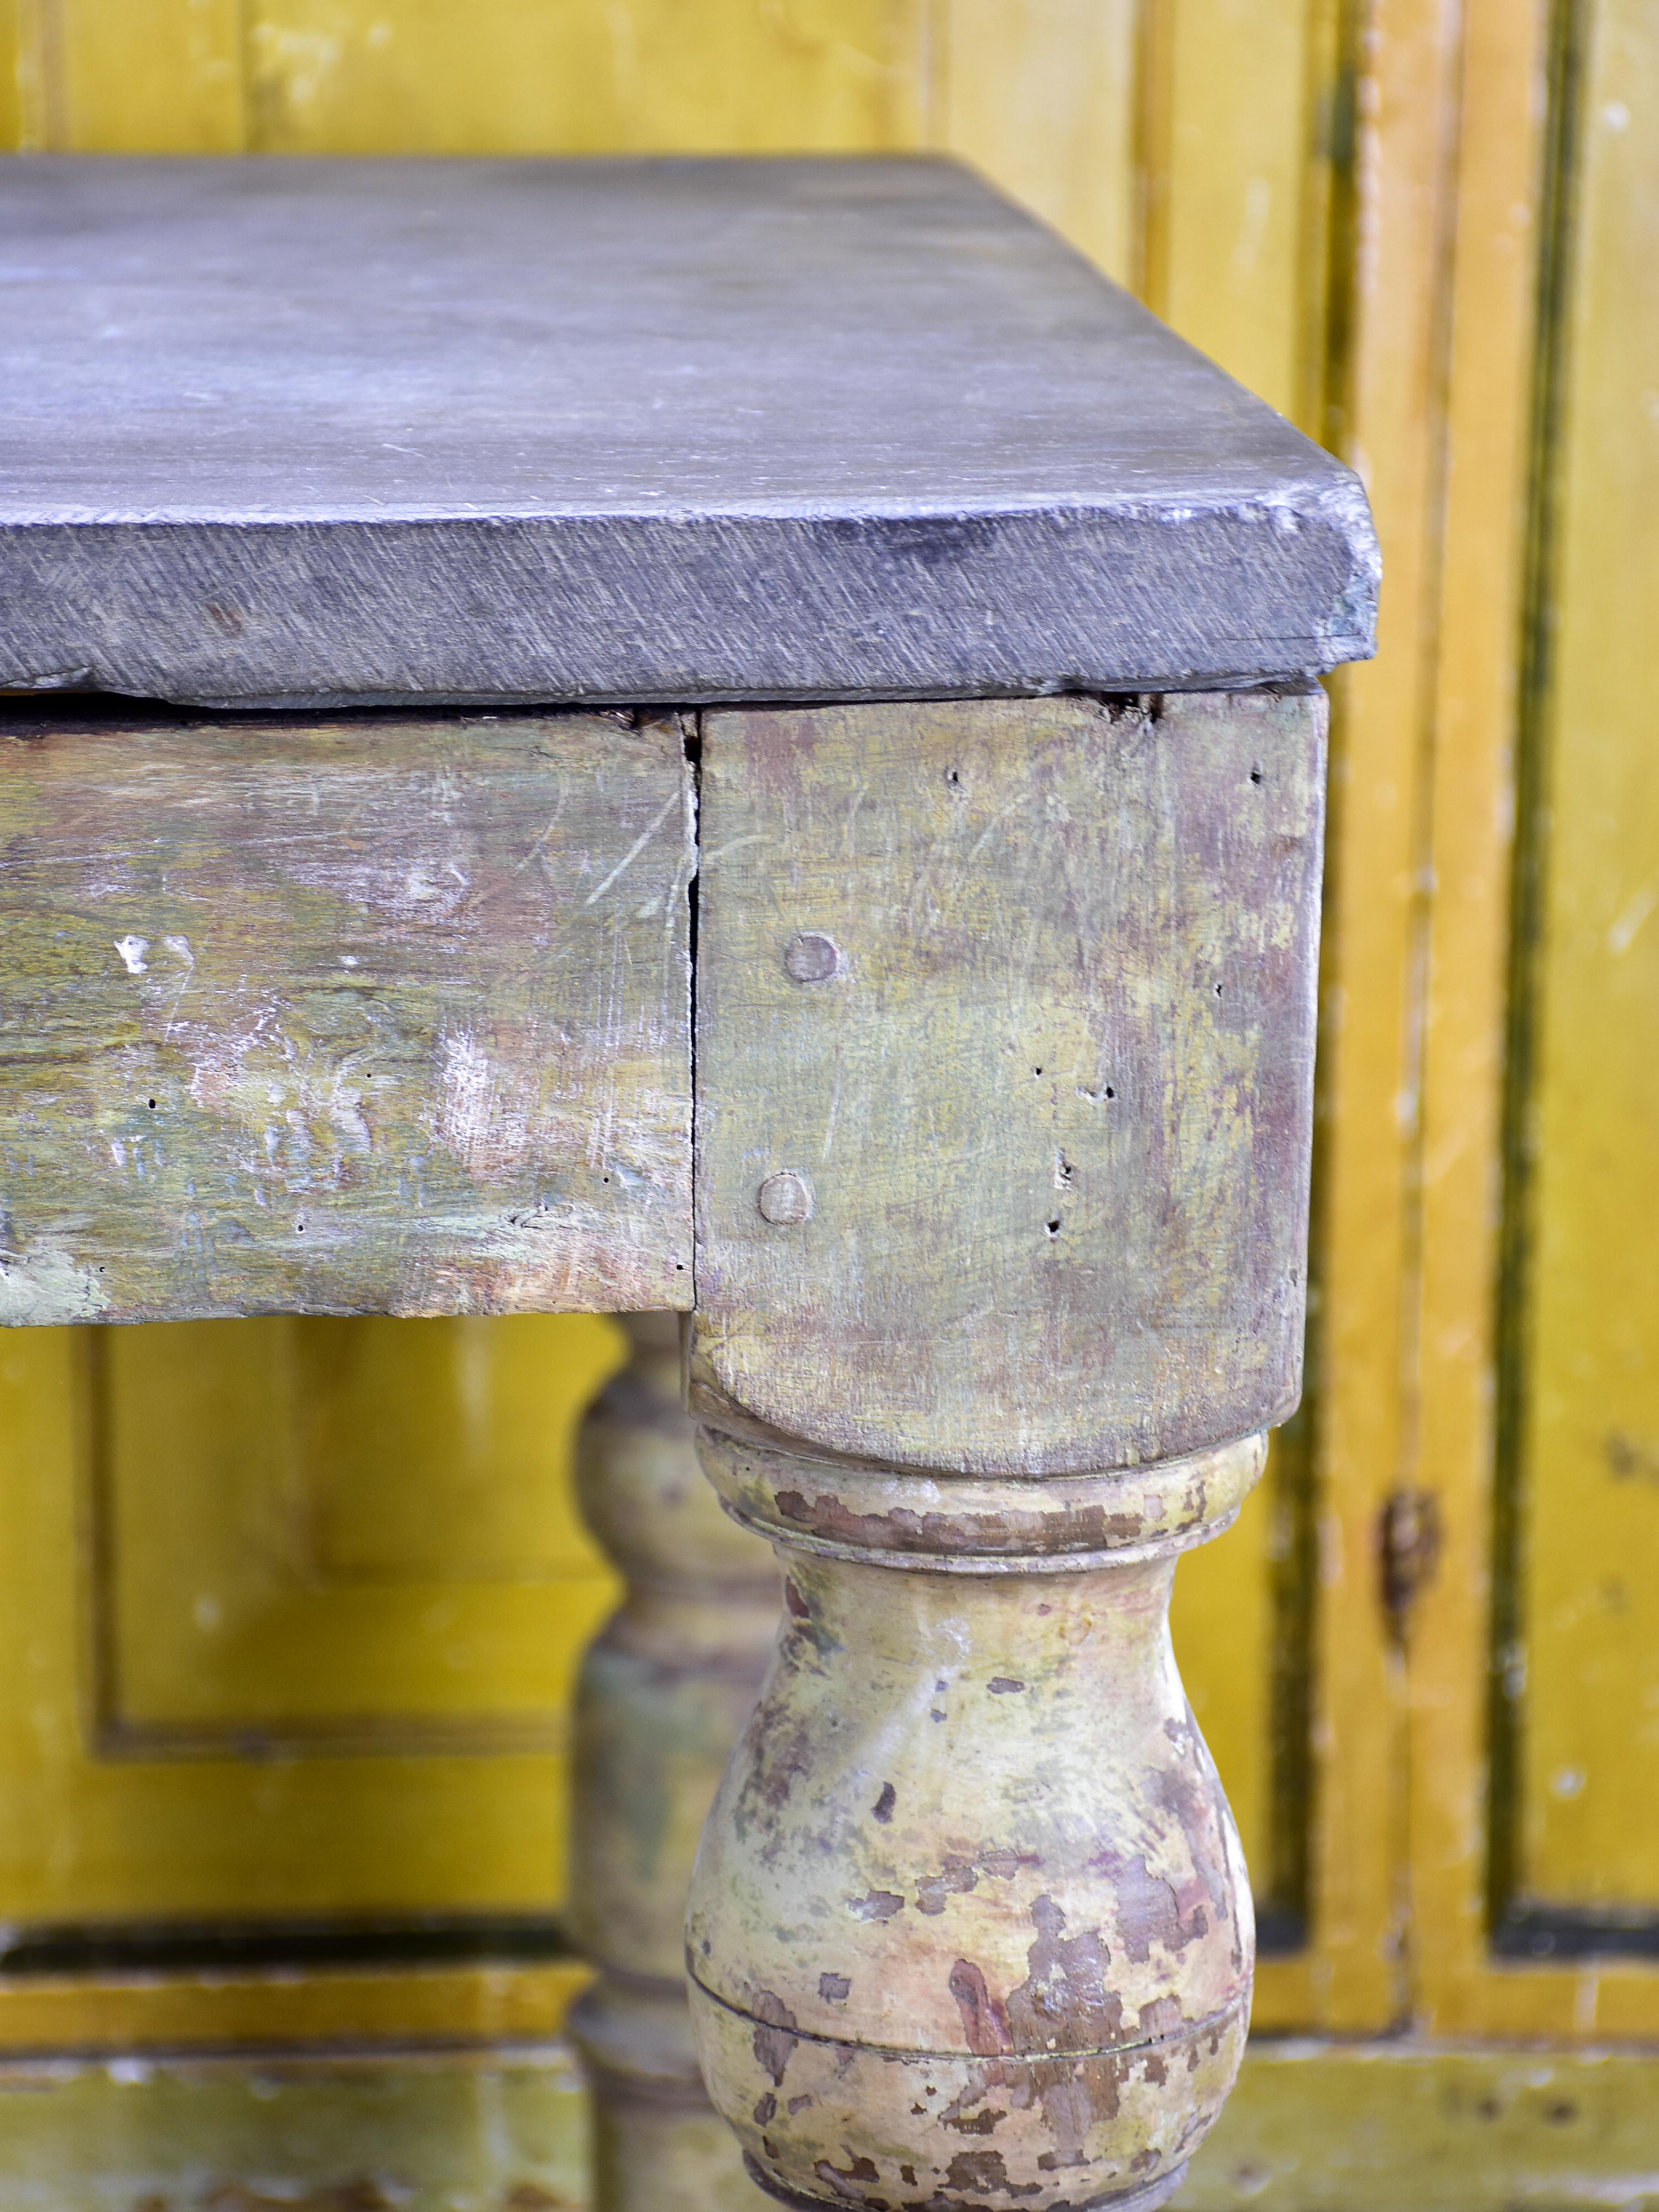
<point>634,850</point>
<point>1057,1100</point>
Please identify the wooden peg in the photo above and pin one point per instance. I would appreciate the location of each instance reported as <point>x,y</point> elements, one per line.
<point>664,1689</point>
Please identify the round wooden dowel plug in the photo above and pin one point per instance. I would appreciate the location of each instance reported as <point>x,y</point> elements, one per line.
<point>663,1691</point>
<point>969,1930</point>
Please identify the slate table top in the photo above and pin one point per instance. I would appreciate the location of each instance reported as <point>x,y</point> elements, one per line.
<point>350,432</point>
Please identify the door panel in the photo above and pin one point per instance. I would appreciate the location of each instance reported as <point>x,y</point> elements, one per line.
<point>1584,1331</point>
<point>1043,95</point>
<point>1246,160</point>
<point>314,1531</point>
<point>370,1748</point>
<point>1535,1879</point>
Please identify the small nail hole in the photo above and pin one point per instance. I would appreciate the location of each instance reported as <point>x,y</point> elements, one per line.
<point>1255,776</point>
<point>1052,1228</point>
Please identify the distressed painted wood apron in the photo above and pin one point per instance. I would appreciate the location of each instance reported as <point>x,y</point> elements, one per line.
<point>735,739</point>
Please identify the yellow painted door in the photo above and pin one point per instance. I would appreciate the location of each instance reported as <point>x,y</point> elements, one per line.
<point>1578,1848</point>
<point>1535,1663</point>
<point>292,1609</point>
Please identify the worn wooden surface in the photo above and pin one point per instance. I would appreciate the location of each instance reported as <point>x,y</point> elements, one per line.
<point>387,1015</point>
<point>1411,2126</point>
<point>102,2011</point>
<point>1004,1028</point>
<point>664,1691</point>
<point>1381,398</point>
<point>387,2130</point>
<point>452,465</point>
<point>969,1925</point>
<point>1043,1124</point>
<point>1311,2127</point>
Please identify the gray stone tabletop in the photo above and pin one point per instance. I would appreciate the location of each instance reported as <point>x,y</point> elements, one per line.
<point>347,432</point>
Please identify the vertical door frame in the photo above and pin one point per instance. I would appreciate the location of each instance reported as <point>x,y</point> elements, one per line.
<point>1496,407</point>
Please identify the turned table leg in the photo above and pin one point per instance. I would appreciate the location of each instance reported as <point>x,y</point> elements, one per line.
<point>664,1689</point>
<point>1005,1029</point>
<point>970,1924</point>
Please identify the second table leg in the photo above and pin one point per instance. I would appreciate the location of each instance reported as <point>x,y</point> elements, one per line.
<point>665,1690</point>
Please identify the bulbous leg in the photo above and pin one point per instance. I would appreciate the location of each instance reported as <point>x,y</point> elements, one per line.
<point>664,1691</point>
<point>969,1927</point>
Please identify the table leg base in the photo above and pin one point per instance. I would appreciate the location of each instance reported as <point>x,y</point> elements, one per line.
<point>1149,2199</point>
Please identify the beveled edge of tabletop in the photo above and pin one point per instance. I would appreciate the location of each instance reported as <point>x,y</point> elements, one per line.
<point>959,462</point>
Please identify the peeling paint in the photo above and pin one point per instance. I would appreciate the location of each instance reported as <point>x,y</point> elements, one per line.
<point>43,1288</point>
<point>1039,1961</point>
<point>1069,1063</point>
<point>322,990</point>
